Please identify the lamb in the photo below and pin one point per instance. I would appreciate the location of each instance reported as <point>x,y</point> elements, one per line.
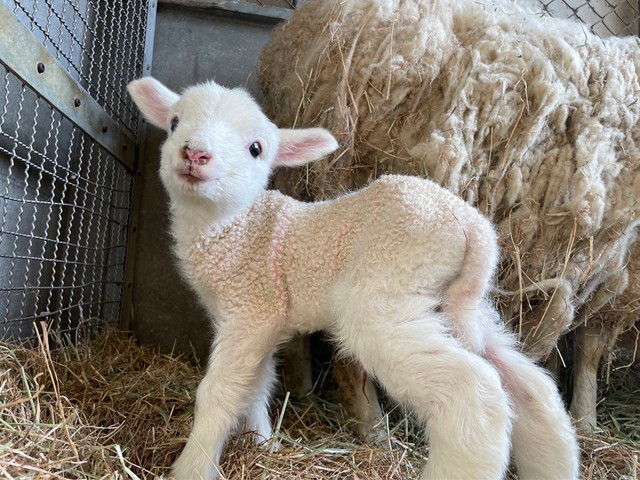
<point>397,273</point>
<point>533,120</point>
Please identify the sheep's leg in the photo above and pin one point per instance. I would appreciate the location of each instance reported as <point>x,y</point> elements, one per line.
<point>297,374</point>
<point>257,418</point>
<point>357,392</point>
<point>544,441</point>
<point>455,392</point>
<point>359,397</point>
<point>589,348</point>
<point>232,381</point>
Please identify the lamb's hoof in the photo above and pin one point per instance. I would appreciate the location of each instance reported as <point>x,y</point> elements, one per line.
<point>371,434</point>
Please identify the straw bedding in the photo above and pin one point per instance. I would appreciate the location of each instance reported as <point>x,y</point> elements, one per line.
<point>108,408</point>
<point>532,119</point>
<point>111,409</point>
<point>93,411</point>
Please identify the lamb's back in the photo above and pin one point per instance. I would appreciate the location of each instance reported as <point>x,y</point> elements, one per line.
<point>280,261</point>
<point>404,232</point>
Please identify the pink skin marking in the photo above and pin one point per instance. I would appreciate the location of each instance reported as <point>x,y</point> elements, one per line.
<point>504,369</point>
<point>338,245</point>
<point>277,250</point>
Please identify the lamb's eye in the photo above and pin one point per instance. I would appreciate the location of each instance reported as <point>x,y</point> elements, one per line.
<point>255,149</point>
<point>174,123</point>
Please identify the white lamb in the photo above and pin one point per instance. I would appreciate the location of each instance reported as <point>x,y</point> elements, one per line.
<point>397,273</point>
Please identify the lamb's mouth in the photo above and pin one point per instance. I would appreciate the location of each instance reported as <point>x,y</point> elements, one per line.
<point>188,174</point>
<point>190,178</point>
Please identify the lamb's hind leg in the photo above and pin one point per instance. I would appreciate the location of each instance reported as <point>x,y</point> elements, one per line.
<point>455,392</point>
<point>544,441</point>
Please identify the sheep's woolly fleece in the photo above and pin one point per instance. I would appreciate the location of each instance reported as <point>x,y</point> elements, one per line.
<point>532,119</point>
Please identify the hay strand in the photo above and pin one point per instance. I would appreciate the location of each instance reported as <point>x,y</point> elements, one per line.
<point>108,408</point>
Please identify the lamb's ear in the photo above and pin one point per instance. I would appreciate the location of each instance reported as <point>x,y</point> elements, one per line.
<point>304,145</point>
<point>153,99</point>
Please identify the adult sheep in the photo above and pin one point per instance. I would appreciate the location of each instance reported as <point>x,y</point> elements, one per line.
<point>529,118</point>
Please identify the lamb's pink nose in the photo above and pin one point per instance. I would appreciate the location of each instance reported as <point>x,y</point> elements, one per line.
<point>199,157</point>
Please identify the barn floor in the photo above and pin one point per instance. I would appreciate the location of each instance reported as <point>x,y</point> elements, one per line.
<point>111,409</point>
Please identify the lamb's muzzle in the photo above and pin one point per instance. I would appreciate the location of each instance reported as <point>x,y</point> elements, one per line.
<point>397,273</point>
<point>198,158</point>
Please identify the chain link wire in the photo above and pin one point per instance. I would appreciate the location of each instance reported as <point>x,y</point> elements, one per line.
<point>605,17</point>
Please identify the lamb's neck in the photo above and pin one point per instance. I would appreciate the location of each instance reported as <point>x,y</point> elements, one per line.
<point>190,219</point>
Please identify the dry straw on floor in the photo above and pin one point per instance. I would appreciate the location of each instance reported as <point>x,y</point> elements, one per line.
<point>109,408</point>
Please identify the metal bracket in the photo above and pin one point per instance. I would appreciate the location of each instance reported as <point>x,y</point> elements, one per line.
<point>29,60</point>
<point>234,6</point>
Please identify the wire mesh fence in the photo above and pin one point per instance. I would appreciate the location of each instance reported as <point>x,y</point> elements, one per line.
<point>100,44</point>
<point>605,17</point>
<point>64,211</point>
<point>65,198</point>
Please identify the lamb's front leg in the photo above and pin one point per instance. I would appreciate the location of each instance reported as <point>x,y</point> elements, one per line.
<point>257,417</point>
<point>231,384</point>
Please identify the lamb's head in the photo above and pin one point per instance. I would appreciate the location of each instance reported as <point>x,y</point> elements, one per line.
<point>220,147</point>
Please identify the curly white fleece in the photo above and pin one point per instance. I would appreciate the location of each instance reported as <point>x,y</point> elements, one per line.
<point>283,256</point>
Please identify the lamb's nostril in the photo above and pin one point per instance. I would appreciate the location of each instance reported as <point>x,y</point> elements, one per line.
<point>203,159</point>
<point>200,157</point>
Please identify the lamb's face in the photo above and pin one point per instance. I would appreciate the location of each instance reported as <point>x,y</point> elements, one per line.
<point>219,147</point>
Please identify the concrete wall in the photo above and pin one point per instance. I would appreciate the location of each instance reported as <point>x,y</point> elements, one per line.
<point>191,46</point>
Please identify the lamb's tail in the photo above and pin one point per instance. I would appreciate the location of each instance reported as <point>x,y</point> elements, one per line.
<point>466,294</point>
<point>543,438</point>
